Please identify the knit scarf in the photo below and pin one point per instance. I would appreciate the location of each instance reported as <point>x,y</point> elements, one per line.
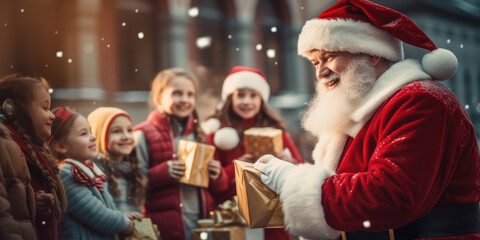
<point>54,187</point>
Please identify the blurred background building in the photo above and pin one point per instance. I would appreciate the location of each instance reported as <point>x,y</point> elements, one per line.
<point>106,52</point>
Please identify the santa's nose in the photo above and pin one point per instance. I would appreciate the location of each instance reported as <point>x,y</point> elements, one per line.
<point>323,72</point>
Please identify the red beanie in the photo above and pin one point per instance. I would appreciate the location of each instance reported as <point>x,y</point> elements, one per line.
<point>245,77</point>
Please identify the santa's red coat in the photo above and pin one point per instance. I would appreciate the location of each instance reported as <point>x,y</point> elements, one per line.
<point>418,151</point>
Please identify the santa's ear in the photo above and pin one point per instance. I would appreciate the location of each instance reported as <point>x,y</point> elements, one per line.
<point>59,147</point>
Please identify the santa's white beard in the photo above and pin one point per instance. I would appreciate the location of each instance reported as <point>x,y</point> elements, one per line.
<point>328,114</point>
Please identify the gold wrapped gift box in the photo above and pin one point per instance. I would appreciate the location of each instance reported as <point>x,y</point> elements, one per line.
<point>259,205</point>
<point>196,157</point>
<point>227,233</point>
<point>145,230</point>
<point>261,141</point>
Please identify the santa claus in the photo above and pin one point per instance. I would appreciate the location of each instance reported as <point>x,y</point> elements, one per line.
<point>397,155</point>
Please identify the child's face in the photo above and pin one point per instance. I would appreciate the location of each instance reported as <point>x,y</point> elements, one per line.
<point>120,137</point>
<point>178,99</point>
<point>80,143</point>
<point>246,102</point>
<point>39,111</point>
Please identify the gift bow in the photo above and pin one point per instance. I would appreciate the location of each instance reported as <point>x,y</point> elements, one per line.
<point>226,214</point>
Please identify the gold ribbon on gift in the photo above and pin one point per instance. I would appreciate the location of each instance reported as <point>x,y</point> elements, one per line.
<point>226,214</point>
<point>259,205</point>
<point>196,157</point>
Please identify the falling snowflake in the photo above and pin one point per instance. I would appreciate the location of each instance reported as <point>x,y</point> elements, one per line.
<point>108,45</point>
<point>140,35</point>
<point>302,7</point>
<point>193,12</point>
<point>5,24</point>
<point>467,106</point>
<point>237,49</point>
<point>69,60</point>
<point>461,45</point>
<point>56,32</point>
<point>449,41</point>
<point>50,90</point>
<point>103,39</point>
<point>203,42</point>
<point>59,54</point>
<point>22,10</point>
<point>271,53</point>
<point>229,35</point>
<point>276,63</point>
<point>203,235</point>
<point>11,66</point>
<point>136,69</point>
<point>273,29</point>
<point>124,24</point>
<point>136,10</point>
<point>94,103</point>
<point>46,65</point>
<point>366,224</point>
<point>259,47</point>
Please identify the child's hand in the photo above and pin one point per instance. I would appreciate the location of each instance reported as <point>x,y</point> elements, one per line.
<point>176,169</point>
<point>247,158</point>
<point>128,231</point>
<point>44,202</point>
<point>134,216</point>
<point>214,169</point>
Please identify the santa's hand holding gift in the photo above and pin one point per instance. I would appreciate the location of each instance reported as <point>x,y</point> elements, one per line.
<point>396,155</point>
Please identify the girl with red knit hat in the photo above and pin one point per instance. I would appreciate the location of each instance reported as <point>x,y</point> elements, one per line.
<point>245,95</point>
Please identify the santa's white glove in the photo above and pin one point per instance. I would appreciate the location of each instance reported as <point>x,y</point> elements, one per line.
<point>275,171</point>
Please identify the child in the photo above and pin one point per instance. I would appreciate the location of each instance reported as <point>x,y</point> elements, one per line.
<point>173,206</point>
<point>17,204</point>
<point>117,157</point>
<point>245,95</point>
<point>29,121</point>
<point>91,212</point>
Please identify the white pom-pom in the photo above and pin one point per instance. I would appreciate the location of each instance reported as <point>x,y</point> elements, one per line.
<point>441,64</point>
<point>226,138</point>
<point>211,125</point>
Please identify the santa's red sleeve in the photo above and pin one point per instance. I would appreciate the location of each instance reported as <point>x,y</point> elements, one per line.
<point>403,161</point>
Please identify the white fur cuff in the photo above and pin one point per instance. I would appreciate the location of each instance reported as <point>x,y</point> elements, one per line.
<point>301,197</point>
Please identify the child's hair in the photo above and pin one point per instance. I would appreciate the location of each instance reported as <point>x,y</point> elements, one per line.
<point>61,126</point>
<point>162,81</point>
<point>136,185</point>
<point>21,91</point>
<point>264,118</point>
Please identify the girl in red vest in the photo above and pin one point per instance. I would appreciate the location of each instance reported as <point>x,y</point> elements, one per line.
<point>173,206</point>
<point>26,106</point>
<point>245,95</point>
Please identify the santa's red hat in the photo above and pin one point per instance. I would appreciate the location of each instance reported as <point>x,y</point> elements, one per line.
<point>360,26</point>
<point>245,77</point>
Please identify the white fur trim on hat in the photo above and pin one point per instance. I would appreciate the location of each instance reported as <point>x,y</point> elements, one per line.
<point>226,138</point>
<point>245,79</point>
<point>441,64</point>
<point>301,198</point>
<point>350,36</point>
<point>211,125</point>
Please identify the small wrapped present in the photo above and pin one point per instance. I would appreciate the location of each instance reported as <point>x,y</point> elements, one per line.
<point>261,141</point>
<point>225,214</point>
<point>227,233</point>
<point>145,230</point>
<point>259,205</point>
<point>196,157</point>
